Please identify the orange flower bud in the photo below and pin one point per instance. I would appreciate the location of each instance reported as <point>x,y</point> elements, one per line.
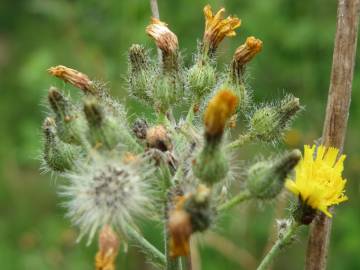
<point>247,51</point>
<point>165,39</point>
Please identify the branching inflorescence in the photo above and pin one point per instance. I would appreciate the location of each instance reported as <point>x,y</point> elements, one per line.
<point>173,167</point>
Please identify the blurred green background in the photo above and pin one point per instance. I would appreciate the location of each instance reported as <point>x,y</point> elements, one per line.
<point>93,36</point>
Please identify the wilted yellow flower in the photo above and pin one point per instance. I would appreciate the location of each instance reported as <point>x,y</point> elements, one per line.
<point>72,76</point>
<point>247,51</point>
<point>217,28</point>
<point>220,108</point>
<point>318,181</point>
<point>180,229</point>
<point>165,39</point>
<point>108,249</point>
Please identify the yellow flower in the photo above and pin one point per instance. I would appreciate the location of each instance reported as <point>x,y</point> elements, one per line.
<point>217,28</point>
<point>318,180</point>
<point>248,50</point>
<point>166,40</point>
<point>220,108</point>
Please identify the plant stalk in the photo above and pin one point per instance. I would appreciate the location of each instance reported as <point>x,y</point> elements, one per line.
<point>237,199</point>
<point>152,252</point>
<point>279,245</point>
<point>336,118</point>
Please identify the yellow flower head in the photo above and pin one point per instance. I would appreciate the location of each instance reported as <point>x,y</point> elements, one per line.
<point>165,40</point>
<point>220,108</point>
<point>217,28</point>
<point>318,180</point>
<point>248,50</point>
<point>72,76</point>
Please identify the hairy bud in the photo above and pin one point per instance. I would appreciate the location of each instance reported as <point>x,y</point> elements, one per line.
<point>58,156</point>
<point>140,73</point>
<point>266,178</point>
<point>201,80</point>
<point>70,123</point>
<point>268,123</point>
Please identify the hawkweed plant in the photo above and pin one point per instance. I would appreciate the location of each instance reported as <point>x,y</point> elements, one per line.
<point>173,166</point>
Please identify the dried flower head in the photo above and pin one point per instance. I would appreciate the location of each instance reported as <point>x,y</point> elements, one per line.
<point>107,192</point>
<point>247,51</point>
<point>220,108</point>
<point>108,249</point>
<point>165,39</point>
<point>158,137</point>
<point>217,28</point>
<point>318,181</point>
<point>180,229</point>
<point>74,77</point>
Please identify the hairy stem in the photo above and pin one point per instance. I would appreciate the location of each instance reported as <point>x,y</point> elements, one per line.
<point>243,139</point>
<point>279,245</point>
<point>152,252</point>
<point>237,199</point>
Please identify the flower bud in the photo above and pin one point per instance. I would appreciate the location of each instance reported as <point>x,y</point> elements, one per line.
<point>211,165</point>
<point>108,249</point>
<point>140,76</point>
<point>266,178</point>
<point>58,156</point>
<point>73,77</point>
<point>69,122</point>
<point>268,123</point>
<point>104,130</point>
<point>168,91</point>
<point>201,80</point>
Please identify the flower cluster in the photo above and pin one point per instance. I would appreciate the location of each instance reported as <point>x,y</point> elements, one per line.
<point>171,166</point>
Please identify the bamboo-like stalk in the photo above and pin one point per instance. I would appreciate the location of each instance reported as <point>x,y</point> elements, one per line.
<point>336,118</point>
<point>155,13</point>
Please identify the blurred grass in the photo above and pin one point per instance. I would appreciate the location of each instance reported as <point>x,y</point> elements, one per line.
<point>93,36</point>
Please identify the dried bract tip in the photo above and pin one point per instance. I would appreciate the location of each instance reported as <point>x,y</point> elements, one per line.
<point>220,108</point>
<point>158,137</point>
<point>108,249</point>
<point>140,128</point>
<point>165,39</point>
<point>247,51</point>
<point>217,28</point>
<point>74,77</point>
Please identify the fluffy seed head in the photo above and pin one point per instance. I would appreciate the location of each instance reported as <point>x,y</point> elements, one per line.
<point>107,192</point>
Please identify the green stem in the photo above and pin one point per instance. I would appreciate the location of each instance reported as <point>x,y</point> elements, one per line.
<point>152,252</point>
<point>239,198</point>
<point>280,244</point>
<point>243,139</point>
